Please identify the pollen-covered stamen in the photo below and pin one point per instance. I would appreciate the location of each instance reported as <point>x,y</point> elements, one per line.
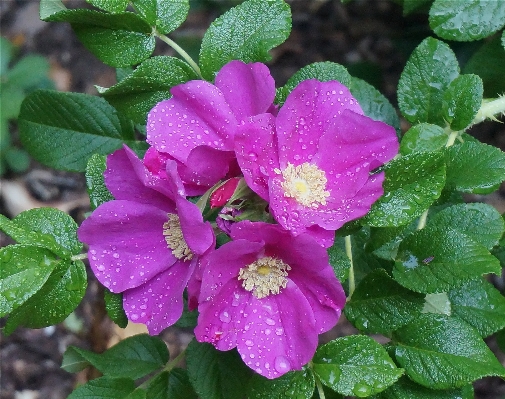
<point>265,276</point>
<point>306,183</point>
<point>174,238</point>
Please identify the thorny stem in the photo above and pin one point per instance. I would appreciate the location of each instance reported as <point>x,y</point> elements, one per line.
<point>348,251</point>
<point>180,51</point>
<point>79,257</point>
<point>489,109</point>
<point>320,390</point>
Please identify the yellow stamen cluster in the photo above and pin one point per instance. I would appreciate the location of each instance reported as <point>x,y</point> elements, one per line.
<point>306,183</point>
<point>265,276</point>
<point>174,238</point>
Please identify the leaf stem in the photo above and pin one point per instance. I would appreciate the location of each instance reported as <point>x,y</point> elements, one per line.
<point>348,252</point>
<point>180,51</point>
<point>320,390</point>
<point>452,138</point>
<point>489,109</point>
<point>78,257</point>
<point>169,366</point>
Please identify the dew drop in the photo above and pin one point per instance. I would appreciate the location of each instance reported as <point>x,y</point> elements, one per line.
<point>281,364</point>
<point>224,317</point>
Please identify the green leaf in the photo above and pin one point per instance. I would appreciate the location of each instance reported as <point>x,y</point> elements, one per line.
<point>62,130</point>
<point>295,384</point>
<point>322,71</point>
<point>11,98</point>
<point>462,100</point>
<point>441,352</point>
<point>373,103</point>
<point>487,165</point>
<point>110,5</point>
<point>54,223</point>
<point>380,305</point>
<point>114,308</point>
<point>437,303</point>
<point>427,74</point>
<point>28,71</point>
<point>408,389</point>
<point>5,54</point>
<point>355,365</point>
<point>165,15</point>
<point>149,84</point>
<point>466,20</point>
<point>438,258</point>
<point>17,159</point>
<point>411,5</point>
<point>97,191</point>
<point>412,184</point>
<point>246,32</point>
<point>173,385</point>
<point>423,137</point>
<point>25,269</point>
<point>188,319</point>
<point>339,262</point>
<point>134,357</point>
<point>119,40</point>
<point>104,388</point>
<point>479,221</point>
<point>480,305</point>
<point>73,362</point>
<point>60,295</point>
<point>215,374</point>
<point>486,62</point>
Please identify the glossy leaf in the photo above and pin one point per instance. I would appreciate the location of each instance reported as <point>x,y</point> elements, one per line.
<point>486,163</point>
<point>408,389</point>
<point>62,130</point>
<point>462,100</point>
<point>295,384</point>
<point>466,20</point>
<point>412,184</point>
<point>427,74</point>
<point>215,374</point>
<point>479,221</point>
<point>480,304</point>
<point>134,357</point>
<point>373,103</point>
<point>110,5</point>
<point>164,15</point>
<point>104,388</point>
<point>246,32</point>
<point>439,352</point>
<point>173,385</point>
<point>97,191</point>
<point>25,269</point>
<point>355,365</point>
<point>149,84</point>
<point>339,261</point>
<point>438,258</point>
<point>119,39</point>
<point>114,308</point>
<point>380,305</point>
<point>322,71</point>
<point>437,303</point>
<point>423,137</point>
<point>60,295</point>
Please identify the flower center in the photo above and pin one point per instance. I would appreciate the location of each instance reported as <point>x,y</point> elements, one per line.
<point>306,183</point>
<point>265,276</point>
<point>174,238</point>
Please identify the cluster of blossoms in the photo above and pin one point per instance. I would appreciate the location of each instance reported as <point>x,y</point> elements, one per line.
<point>274,185</point>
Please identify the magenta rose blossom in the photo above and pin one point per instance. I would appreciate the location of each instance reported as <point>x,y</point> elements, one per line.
<point>196,127</point>
<point>145,243</point>
<point>268,294</point>
<point>314,161</point>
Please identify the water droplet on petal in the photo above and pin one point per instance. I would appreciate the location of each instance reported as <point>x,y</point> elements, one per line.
<point>281,364</point>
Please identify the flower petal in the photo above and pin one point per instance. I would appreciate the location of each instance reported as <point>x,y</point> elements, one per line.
<point>198,234</point>
<point>249,89</point>
<point>307,113</point>
<point>158,303</point>
<point>126,243</point>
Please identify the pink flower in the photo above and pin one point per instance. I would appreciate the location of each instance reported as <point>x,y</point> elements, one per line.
<point>269,294</point>
<point>145,243</point>
<point>314,161</point>
<point>221,195</point>
<point>196,127</point>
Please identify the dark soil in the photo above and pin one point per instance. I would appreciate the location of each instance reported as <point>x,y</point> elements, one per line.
<point>370,37</point>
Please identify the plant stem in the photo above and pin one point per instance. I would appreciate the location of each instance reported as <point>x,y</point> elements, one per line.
<point>348,251</point>
<point>489,109</point>
<point>180,51</point>
<point>320,390</point>
<point>452,138</point>
<point>79,257</point>
<point>170,365</point>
